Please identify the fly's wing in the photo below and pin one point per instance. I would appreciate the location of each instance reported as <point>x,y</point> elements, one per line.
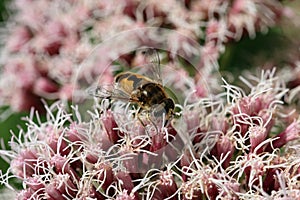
<point>104,91</point>
<point>109,92</point>
<point>153,64</point>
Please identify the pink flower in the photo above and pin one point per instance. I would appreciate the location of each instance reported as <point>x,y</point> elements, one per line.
<point>18,39</point>
<point>292,132</point>
<point>216,145</point>
<point>202,153</point>
<point>59,36</point>
<point>224,150</point>
<point>257,136</point>
<point>166,186</point>
<point>43,86</point>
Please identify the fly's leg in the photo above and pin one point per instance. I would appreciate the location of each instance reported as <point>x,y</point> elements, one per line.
<point>138,117</point>
<point>148,118</point>
<point>153,123</point>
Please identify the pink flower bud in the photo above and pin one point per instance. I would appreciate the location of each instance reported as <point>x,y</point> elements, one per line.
<point>24,165</point>
<point>125,180</point>
<point>292,132</point>
<point>158,142</point>
<point>52,136</point>
<point>238,6</point>
<point>64,185</point>
<point>106,175</point>
<point>224,147</point>
<point>52,47</point>
<point>191,191</point>
<point>125,196</point>
<point>55,29</point>
<point>247,107</point>
<point>166,186</point>
<point>26,194</point>
<point>53,193</point>
<point>43,86</point>
<point>185,162</point>
<point>254,170</point>
<point>20,36</point>
<point>35,184</point>
<point>24,101</point>
<point>23,70</point>
<point>257,135</point>
<point>131,159</point>
<point>271,181</point>
<point>76,133</point>
<point>63,166</point>
<point>110,126</point>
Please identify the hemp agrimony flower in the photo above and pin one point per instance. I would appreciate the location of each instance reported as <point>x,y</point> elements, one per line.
<point>226,147</point>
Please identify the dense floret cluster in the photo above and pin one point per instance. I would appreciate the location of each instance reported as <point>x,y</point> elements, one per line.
<point>223,141</point>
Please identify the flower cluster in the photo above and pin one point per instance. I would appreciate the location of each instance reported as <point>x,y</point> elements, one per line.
<point>222,141</point>
<point>47,40</point>
<point>223,147</point>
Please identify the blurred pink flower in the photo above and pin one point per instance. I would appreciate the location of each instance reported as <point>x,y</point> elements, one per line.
<point>18,38</point>
<point>60,35</point>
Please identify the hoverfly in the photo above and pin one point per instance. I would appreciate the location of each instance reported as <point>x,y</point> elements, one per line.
<point>148,93</point>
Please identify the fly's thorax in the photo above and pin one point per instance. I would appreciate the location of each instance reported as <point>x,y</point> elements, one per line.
<point>151,94</point>
<point>130,82</point>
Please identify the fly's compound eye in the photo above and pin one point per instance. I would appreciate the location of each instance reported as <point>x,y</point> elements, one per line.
<point>169,105</point>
